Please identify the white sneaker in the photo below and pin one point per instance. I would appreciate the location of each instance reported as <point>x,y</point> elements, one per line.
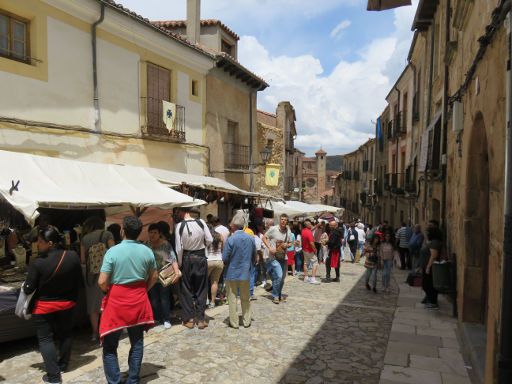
<point>167,324</point>
<point>307,279</point>
<point>314,281</point>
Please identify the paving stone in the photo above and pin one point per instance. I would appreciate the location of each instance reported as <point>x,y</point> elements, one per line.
<point>438,365</point>
<point>412,348</point>
<point>449,378</point>
<point>445,333</point>
<point>396,358</point>
<point>420,339</point>
<point>449,342</point>
<point>410,329</point>
<point>410,375</point>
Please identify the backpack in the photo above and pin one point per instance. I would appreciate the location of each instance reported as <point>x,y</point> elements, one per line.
<point>95,256</point>
<point>183,224</point>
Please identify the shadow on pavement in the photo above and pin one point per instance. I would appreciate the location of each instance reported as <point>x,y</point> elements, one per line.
<point>350,345</point>
<point>149,372</point>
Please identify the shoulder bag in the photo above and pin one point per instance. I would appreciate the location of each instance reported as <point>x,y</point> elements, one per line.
<point>281,255</point>
<point>167,276</point>
<point>24,303</point>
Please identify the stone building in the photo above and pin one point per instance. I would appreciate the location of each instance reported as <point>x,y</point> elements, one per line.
<point>356,185</point>
<point>230,98</point>
<point>101,102</point>
<point>458,67</point>
<point>276,133</point>
<point>314,177</point>
<point>398,196</point>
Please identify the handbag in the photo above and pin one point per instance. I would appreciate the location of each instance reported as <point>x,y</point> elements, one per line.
<point>414,279</point>
<point>167,276</point>
<point>24,304</point>
<point>281,256</point>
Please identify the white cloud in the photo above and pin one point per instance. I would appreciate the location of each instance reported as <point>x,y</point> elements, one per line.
<point>334,110</point>
<point>339,28</point>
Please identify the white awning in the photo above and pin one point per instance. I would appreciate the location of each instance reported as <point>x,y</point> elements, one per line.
<point>297,208</point>
<point>174,179</point>
<point>329,208</point>
<point>28,182</point>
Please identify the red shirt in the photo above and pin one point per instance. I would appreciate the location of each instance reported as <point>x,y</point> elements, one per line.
<point>307,239</point>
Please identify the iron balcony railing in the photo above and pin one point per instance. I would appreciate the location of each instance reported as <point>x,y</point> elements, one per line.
<point>155,126</point>
<point>236,156</point>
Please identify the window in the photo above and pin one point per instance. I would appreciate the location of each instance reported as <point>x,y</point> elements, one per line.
<point>404,112</point>
<point>236,156</point>
<point>226,47</point>
<point>158,89</point>
<point>14,37</point>
<point>195,88</point>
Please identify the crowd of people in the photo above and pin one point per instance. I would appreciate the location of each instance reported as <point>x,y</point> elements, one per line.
<point>210,262</point>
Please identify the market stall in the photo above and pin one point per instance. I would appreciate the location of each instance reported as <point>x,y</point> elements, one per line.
<point>30,184</point>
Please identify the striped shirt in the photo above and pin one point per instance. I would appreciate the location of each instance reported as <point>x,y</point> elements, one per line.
<point>403,235</point>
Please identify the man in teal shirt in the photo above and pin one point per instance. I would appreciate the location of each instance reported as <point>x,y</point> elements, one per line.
<point>127,273</point>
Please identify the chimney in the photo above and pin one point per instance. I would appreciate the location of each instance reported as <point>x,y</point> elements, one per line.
<point>193,20</point>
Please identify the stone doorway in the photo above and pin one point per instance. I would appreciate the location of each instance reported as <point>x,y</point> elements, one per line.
<point>476,252</point>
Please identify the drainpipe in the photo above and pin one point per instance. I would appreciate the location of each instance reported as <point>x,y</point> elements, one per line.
<point>96,101</point>
<point>251,165</point>
<point>505,356</point>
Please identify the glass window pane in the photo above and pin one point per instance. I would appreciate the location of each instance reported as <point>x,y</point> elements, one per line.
<point>18,50</point>
<point>4,25</point>
<point>4,46</point>
<point>18,30</point>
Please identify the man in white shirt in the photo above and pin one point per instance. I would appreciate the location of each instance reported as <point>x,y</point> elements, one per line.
<point>219,228</point>
<point>192,238</point>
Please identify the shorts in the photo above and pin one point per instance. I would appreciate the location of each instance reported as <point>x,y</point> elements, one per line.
<point>310,257</point>
<point>215,268</point>
<point>291,257</point>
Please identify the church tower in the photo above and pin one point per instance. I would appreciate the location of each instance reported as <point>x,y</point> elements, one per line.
<point>321,162</point>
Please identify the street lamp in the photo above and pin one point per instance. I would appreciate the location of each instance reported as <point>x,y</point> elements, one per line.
<point>265,154</point>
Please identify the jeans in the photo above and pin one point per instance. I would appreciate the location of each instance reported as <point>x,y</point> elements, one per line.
<point>160,298</point>
<point>371,274</point>
<point>58,324</point>
<point>276,274</point>
<point>361,248</point>
<point>386,273</point>
<point>253,276</point>
<point>110,362</point>
<point>299,261</point>
<point>284,268</point>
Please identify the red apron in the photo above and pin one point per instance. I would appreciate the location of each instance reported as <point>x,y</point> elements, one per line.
<point>125,306</point>
<point>335,258</point>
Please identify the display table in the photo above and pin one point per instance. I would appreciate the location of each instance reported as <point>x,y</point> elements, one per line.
<point>11,326</point>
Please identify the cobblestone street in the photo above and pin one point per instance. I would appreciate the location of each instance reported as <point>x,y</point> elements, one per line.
<point>331,333</point>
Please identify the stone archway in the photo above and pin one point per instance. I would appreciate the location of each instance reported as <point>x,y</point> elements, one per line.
<point>476,226</point>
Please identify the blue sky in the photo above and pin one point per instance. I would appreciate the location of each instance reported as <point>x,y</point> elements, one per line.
<point>333,60</point>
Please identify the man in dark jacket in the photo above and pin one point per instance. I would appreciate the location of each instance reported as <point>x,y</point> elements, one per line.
<point>334,245</point>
